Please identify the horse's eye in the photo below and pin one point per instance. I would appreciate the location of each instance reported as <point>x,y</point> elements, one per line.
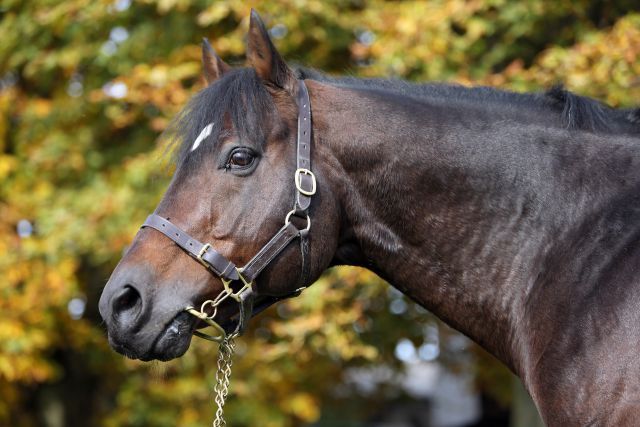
<point>240,158</point>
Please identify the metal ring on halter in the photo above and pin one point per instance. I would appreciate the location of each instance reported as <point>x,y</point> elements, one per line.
<point>226,292</point>
<point>214,303</point>
<point>205,318</point>
<point>288,217</point>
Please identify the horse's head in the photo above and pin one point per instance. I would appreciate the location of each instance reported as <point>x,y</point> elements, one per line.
<point>233,188</point>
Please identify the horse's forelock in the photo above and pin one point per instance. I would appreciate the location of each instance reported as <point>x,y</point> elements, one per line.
<point>239,98</point>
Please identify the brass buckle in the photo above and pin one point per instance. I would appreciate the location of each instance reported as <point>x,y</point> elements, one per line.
<point>204,249</point>
<point>297,178</point>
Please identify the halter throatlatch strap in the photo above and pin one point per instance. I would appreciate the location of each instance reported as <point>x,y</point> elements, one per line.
<point>305,185</point>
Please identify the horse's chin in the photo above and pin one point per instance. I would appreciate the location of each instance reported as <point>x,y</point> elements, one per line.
<point>172,342</point>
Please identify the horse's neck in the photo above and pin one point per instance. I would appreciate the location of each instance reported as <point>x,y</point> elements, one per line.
<point>456,212</point>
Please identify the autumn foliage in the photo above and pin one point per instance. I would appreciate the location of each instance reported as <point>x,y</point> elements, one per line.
<point>86,88</point>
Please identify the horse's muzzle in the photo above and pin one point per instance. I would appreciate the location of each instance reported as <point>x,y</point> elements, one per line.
<point>142,324</point>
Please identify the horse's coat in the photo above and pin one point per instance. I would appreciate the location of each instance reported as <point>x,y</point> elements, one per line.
<point>514,218</point>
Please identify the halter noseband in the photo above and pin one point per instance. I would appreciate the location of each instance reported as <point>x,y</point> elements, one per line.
<point>226,270</point>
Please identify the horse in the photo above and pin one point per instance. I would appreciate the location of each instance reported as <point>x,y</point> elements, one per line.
<point>515,218</point>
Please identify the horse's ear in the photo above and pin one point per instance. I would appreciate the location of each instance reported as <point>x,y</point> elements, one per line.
<point>264,57</point>
<point>214,67</point>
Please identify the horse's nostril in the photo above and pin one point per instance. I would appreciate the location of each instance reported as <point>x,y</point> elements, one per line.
<point>127,303</point>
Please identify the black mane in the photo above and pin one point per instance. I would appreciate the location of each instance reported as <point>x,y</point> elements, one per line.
<point>575,112</point>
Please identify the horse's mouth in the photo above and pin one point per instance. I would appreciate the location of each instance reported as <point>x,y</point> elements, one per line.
<point>174,340</point>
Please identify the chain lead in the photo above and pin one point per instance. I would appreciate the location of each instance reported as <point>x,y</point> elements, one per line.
<point>223,376</point>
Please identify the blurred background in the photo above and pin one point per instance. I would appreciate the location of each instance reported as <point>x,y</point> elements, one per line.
<point>87,86</point>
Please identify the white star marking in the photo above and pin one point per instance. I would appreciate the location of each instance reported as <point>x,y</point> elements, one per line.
<point>205,133</point>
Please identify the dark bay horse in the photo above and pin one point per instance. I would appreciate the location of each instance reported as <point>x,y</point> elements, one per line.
<point>515,218</point>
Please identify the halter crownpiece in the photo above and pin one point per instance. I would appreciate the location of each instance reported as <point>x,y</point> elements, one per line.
<point>244,277</point>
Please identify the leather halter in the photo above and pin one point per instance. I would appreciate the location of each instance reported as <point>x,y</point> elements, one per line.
<point>225,269</point>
